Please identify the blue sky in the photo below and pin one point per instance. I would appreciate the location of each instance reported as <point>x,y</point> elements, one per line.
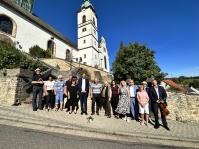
<point>169,27</point>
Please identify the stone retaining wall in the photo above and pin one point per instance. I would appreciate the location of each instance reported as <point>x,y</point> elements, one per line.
<point>183,107</point>
<point>65,66</point>
<point>11,86</point>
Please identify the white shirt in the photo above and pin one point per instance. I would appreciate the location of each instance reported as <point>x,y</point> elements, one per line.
<point>49,85</point>
<point>132,91</point>
<point>83,84</point>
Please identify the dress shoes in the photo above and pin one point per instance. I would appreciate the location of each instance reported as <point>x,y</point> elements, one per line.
<point>86,113</point>
<point>156,126</point>
<point>81,113</point>
<point>92,113</point>
<point>167,128</point>
<point>108,116</point>
<point>35,109</point>
<point>97,113</point>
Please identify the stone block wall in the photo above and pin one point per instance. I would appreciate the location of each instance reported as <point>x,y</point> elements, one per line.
<point>11,86</point>
<point>65,66</point>
<point>183,107</point>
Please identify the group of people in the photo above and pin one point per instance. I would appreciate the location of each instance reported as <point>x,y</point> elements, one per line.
<point>121,100</point>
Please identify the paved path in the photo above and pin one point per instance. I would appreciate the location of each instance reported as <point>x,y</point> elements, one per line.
<point>183,132</point>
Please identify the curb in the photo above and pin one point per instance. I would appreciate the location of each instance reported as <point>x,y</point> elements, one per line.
<point>87,129</point>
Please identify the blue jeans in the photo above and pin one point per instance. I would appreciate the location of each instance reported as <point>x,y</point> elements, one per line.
<point>134,108</point>
<point>83,101</point>
<point>37,90</point>
<point>59,97</point>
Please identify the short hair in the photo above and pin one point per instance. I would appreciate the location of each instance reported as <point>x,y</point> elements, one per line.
<point>140,86</point>
<point>60,76</point>
<point>73,80</point>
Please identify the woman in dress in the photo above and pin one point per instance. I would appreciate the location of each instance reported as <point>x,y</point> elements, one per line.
<point>73,96</point>
<point>123,106</point>
<point>49,92</point>
<point>114,97</point>
<point>59,92</point>
<point>143,100</point>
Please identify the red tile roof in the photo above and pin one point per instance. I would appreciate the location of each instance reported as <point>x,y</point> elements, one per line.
<point>175,85</point>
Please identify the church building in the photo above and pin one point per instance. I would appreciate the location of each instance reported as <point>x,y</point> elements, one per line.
<point>19,26</point>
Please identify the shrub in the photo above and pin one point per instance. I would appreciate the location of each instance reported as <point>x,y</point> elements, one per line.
<point>11,58</point>
<point>36,51</point>
<point>48,53</point>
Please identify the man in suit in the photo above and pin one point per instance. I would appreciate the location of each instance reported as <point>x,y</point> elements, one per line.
<point>83,87</point>
<point>158,95</point>
<point>133,101</point>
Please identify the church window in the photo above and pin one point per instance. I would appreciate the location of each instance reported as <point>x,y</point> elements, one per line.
<point>105,64</point>
<point>84,29</point>
<point>104,50</point>
<point>84,55</point>
<point>84,41</point>
<point>94,21</point>
<point>6,25</point>
<point>68,55</point>
<point>51,46</point>
<point>84,19</point>
<point>80,59</point>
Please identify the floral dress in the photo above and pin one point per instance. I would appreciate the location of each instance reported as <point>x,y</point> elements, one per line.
<point>123,106</point>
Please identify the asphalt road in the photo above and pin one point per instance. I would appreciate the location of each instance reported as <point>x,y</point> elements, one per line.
<point>22,138</point>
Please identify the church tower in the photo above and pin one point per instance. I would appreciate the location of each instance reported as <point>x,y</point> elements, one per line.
<point>88,35</point>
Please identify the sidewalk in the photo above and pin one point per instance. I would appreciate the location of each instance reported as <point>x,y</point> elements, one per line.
<point>179,131</point>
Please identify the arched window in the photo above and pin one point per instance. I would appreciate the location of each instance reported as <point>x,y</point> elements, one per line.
<point>84,19</point>
<point>6,25</point>
<point>93,20</point>
<point>4,38</point>
<point>51,46</point>
<point>84,41</point>
<point>84,55</point>
<point>68,55</point>
<point>105,64</point>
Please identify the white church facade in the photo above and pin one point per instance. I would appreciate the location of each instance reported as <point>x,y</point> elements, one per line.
<point>18,25</point>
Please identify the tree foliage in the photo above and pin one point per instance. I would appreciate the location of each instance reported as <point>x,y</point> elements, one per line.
<point>137,62</point>
<point>194,84</point>
<point>11,58</point>
<point>38,52</point>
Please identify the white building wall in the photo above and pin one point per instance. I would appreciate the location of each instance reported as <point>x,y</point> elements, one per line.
<point>104,53</point>
<point>29,34</point>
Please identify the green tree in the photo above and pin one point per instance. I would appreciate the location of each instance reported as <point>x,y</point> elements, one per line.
<point>137,62</point>
<point>36,51</point>
<point>194,84</point>
<point>48,53</point>
<point>181,79</point>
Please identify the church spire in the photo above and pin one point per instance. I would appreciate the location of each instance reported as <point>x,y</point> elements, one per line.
<point>86,4</point>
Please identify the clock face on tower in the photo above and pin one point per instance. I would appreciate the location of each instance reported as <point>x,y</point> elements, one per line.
<point>26,4</point>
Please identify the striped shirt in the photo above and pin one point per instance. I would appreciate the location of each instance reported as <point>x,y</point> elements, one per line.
<point>96,88</point>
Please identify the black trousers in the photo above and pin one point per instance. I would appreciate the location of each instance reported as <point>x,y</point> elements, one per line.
<point>107,106</point>
<point>49,99</point>
<point>114,102</point>
<point>83,101</point>
<point>156,106</point>
<point>37,90</point>
<point>96,100</point>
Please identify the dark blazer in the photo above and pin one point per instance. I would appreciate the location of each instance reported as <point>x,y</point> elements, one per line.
<point>79,84</point>
<point>153,95</point>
